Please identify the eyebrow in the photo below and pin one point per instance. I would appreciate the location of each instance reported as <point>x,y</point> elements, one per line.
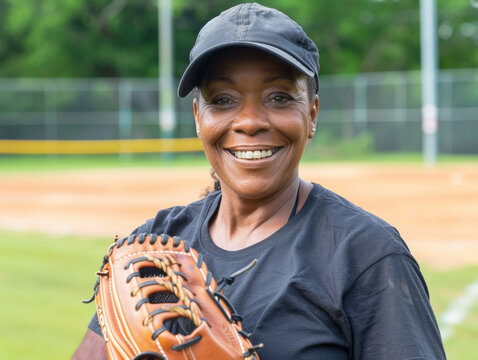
<point>220,79</point>
<point>279,77</point>
<point>266,81</point>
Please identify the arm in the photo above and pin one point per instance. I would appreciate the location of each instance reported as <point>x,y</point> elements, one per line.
<point>390,313</point>
<point>91,348</point>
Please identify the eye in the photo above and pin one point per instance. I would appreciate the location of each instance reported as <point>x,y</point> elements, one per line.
<point>222,100</point>
<point>280,98</point>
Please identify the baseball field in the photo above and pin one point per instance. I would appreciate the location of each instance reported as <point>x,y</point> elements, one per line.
<point>57,218</point>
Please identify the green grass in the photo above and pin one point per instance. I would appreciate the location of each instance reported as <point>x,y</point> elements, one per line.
<point>445,286</point>
<point>40,163</point>
<point>43,280</point>
<point>44,277</point>
<point>35,163</point>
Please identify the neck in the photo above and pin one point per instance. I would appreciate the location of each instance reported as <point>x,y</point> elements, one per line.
<point>242,222</point>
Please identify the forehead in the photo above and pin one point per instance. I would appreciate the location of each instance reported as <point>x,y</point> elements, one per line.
<point>229,62</point>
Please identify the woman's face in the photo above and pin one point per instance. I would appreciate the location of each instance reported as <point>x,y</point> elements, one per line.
<point>254,117</point>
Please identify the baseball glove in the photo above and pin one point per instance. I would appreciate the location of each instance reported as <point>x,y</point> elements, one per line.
<point>155,299</point>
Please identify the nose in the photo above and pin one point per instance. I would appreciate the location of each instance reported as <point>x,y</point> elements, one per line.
<point>251,118</point>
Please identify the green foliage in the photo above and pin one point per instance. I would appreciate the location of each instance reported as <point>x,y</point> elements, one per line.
<point>458,33</point>
<point>118,38</point>
<point>98,38</point>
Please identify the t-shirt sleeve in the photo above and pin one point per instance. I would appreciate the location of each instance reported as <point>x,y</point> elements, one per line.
<point>390,314</point>
<point>94,325</point>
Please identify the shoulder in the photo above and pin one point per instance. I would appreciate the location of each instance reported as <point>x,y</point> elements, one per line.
<point>371,279</point>
<point>176,219</point>
<point>356,239</point>
<point>349,221</point>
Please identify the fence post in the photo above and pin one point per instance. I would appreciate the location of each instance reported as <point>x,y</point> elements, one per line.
<point>167,115</point>
<point>360,104</point>
<point>124,116</point>
<point>446,110</point>
<point>400,98</point>
<point>50,114</point>
<point>429,61</point>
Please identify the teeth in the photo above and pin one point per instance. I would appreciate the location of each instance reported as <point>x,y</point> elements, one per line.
<point>253,155</point>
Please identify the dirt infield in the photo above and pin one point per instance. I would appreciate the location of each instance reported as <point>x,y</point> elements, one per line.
<point>436,210</point>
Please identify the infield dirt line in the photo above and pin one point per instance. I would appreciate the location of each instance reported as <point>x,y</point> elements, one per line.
<point>458,310</point>
<point>436,211</point>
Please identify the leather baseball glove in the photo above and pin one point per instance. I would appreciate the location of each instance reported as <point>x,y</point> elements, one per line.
<point>155,299</point>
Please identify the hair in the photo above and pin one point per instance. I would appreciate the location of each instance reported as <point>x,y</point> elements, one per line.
<point>214,187</point>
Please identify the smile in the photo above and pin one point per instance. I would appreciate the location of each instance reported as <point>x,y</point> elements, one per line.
<point>254,154</point>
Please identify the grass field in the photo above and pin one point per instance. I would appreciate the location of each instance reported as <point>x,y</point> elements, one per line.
<point>32,163</point>
<point>445,286</point>
<point>44,278</point>
<point>43,281</point>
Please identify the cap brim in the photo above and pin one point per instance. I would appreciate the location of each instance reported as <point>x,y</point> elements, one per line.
<point>192,75</point>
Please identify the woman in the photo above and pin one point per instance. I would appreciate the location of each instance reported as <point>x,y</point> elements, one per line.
<point>332,281</point>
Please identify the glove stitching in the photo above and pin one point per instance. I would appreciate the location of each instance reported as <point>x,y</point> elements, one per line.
<point>157,342</point>
<point>178,338</point>
<point>209,287</point>
<point>176,285</point>
<point>112,295</point>
<point>149,325</point>
<point>150,252</point>
<point>200,270</point>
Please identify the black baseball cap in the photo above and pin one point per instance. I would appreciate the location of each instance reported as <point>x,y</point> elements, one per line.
<point>256,26</point>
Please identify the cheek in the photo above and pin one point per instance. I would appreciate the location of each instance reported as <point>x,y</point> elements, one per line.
<point>212,131</point>
<point>295,125</point>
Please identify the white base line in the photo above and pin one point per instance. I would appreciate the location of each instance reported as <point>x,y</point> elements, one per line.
<point>458,310</point>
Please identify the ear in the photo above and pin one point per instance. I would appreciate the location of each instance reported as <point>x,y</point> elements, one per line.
<point>313,113</point>
<point>196,115</point>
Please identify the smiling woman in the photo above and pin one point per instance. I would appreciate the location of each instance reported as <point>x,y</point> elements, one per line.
<point>251,103</point>
<point>332,281</point>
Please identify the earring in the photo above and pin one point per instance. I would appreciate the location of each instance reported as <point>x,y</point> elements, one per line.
<point>314,129</point>
<point>198,132</point>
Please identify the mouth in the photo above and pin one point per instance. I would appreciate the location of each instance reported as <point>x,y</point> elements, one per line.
<point>254,154</point>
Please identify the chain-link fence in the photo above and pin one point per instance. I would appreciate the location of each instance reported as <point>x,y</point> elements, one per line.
<point>382,108</point>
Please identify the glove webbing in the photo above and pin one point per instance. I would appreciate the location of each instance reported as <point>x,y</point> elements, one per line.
<point>190,309</point>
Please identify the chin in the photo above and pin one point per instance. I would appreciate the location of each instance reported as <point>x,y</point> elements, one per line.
<point>252,189</point>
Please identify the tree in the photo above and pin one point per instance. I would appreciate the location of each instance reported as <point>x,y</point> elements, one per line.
<point>118,38</point>
<point>70,38</point>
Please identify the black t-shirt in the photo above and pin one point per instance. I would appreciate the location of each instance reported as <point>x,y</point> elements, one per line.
<point>335,282</point>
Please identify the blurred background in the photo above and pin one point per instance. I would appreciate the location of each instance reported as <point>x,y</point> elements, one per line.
<point>93,141</point>
<point>66,66</point>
